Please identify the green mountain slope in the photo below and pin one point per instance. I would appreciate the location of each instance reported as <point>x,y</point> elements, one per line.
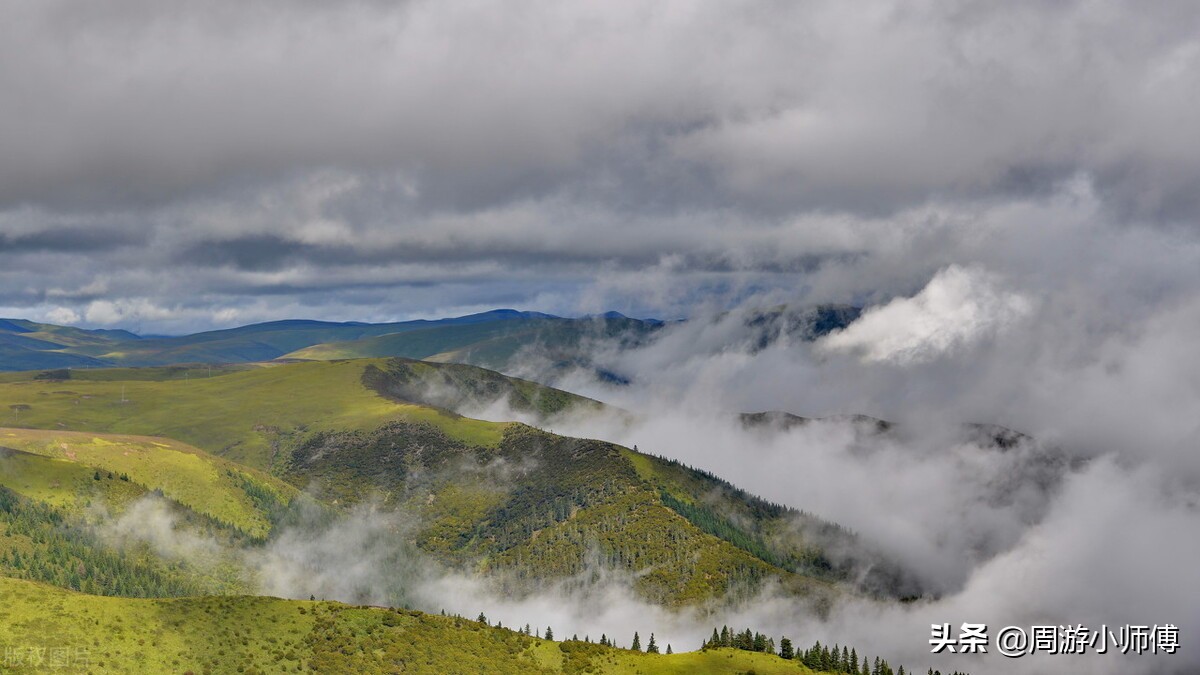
<point>268,635</point>
<point>459,387</point>
<point>540,507</point>
<point>250,416</point>
<point>70,469</point>
<point>505,499</point>
<point>44,543</point>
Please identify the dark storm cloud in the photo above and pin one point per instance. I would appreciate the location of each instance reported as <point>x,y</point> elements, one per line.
<point>79,239</point>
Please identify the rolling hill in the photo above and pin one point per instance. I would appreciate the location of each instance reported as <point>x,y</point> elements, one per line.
<point>248,415</point>
<point>70,469</point>
<point>521,505</point>
<point>51,629</point>
<point>228,451</point>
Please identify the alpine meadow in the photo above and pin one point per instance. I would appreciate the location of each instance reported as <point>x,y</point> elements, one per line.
<point>461,337</point>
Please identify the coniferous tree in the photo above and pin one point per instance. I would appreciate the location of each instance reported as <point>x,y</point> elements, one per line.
<point>549,633</point>
<point>651,646</point>
<point>637,642</point>
<point>669,648</point>
<point>785,649</point>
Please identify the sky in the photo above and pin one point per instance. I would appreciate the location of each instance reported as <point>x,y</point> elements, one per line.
<point>172,167</point>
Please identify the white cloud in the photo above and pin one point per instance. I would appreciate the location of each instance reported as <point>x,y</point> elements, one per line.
<point>957,308</point>
<point>62,316</point>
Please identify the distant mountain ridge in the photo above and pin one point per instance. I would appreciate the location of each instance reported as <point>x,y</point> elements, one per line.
<point>28,345</point>
<point>490,339</point>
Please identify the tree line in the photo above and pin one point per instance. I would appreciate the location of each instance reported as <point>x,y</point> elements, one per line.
<point>823,658</point>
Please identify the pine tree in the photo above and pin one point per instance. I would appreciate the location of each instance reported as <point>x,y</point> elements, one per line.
<point>637,642</point>
<point>669,648</point>
<point>652,646</point>
<point>785,648</point>
<point>715,640</point>
<point>549,633</point>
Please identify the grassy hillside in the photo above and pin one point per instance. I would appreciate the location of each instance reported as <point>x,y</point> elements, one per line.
<point>540,507</point>
<point>458,387</point>
<point>520,504</point>
<point>44,543</point>
<point>249,416</point>
<point>268,635</point>
<point>71,469</point>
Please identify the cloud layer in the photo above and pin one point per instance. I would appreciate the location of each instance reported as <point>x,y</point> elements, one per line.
<point>179,166</point>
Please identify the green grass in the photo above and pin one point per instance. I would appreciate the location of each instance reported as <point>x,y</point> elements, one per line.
<point>501,497</point>
<point>63,483</point>
<point>539,507</point>
<point>459,387</point>
<point>241,634</point>
<point>43,543</point>
<point>248,416</point>
<point>204,484</point>
<point>158,373</point>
